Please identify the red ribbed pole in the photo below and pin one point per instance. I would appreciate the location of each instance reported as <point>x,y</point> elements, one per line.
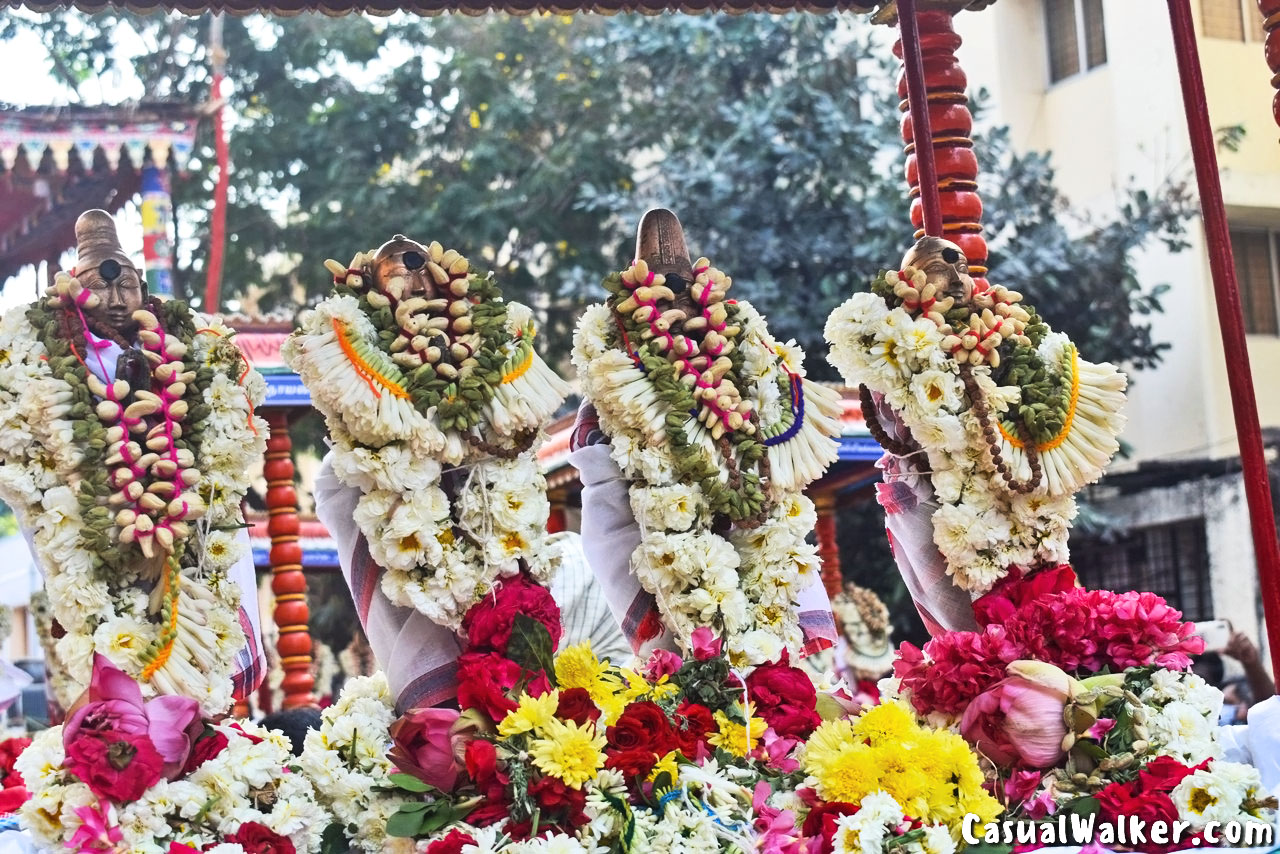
<point>288,582</point>
<point>918,100</point>
<point>1244,406</point>
<point>1270,10</point>
<point>828,547</point>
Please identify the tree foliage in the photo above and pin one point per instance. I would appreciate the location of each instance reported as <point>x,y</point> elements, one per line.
<point>533,144</point>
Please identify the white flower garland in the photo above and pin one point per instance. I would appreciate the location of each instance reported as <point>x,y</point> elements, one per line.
<point>246,782</point>
<point>346,760</point>
<point>744,584</point>
<point>440,556</point>
<point>176,634</point>
<point>982,526</point>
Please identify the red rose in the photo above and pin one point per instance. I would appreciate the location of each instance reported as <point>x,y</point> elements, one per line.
<point>205,748</point>
<point>451,844</point>
<point>115,766</point>
<point>643,726</point>
<point>487,626</point>
<point>13,797</point>
<point>785,697</point>
<point>1164,773</point>
<point>484,681</point>
<point>10,750</point>
<point>491,813</point>
<point>561,805</point>
<point>576,705</point>
<point>821,822</point>
<point>635,763</point>
<point>256,838</point>
<point>481,759</point>
<point>1120,800</point>
<point>696,724</point>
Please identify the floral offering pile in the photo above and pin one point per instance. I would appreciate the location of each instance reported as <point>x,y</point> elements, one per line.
<point>712,422</point>
<point>433,404</point>
<point>132,494</point>
<point>1081,701</point>
<point>567,753</point>
<point>13,788</point>
<point>1011,420</point>
<point>154,777</point>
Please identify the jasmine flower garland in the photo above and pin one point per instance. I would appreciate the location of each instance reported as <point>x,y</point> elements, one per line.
<point>713,423</point>
<point>434,399</point>
<point>133,493</point>
<point>1009,420</point>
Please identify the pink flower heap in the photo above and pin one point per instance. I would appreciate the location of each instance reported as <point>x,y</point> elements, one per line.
<point>700,344</point>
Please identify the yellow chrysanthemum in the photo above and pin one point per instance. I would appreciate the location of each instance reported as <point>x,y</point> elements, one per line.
<point>668,765</point>
<point>901,777</point>
<point>736,738</point>
<point>887,723</point>
<point>826,741</point>
<point>578,667</point>
<point>636,685</point>
<point>570,753</point>
<point>532,714</point>
<point>849,774</point>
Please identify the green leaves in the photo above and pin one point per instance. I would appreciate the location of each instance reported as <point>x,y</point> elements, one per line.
<point>530,646</point>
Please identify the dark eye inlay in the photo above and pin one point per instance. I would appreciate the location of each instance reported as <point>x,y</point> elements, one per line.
<point>109,269</point>
<point>414,260</point>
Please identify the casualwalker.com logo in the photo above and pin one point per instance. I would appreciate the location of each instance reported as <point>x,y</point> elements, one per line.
<point>1128,831</point>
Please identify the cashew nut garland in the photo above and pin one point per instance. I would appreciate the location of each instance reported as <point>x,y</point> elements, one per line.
<point>434,398</point>
<point>1012,420</point>
<point>714,425</point>
<point>130,477</point>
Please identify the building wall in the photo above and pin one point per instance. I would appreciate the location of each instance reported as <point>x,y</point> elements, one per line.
<point>1122,124</point>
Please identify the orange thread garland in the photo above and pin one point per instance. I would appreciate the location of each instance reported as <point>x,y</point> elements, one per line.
<point>366,371</point>
<point>1071,411</point>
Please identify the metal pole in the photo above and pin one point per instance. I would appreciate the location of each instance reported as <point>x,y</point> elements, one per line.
<point>218,219</point>
<point>918,100</point>
<point>1257,488</point>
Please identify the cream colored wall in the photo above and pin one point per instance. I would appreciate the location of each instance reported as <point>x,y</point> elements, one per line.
<point>1123,123</point>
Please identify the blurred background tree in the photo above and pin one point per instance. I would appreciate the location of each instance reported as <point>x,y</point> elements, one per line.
<point>533,144</point>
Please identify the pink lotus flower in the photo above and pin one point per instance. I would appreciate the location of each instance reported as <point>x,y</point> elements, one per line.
<point>95,834</point>
<point>431,744</point>
<point>705,643</point>
<point>170,723</point>
<point>1019,721</point>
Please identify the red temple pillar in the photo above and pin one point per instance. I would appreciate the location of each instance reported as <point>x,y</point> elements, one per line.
<point>828,549</point>
<point>288,582</point>
<point>557,519</point>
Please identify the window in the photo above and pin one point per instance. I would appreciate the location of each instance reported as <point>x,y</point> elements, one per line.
<point>1074,32</point>
<point>1232,19</point>
<point>1255,254</point>
<point>1169,560</point>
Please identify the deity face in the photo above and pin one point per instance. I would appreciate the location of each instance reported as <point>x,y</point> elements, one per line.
<point>120,292</point>
<point>944,266</point>
<point>405,259</point>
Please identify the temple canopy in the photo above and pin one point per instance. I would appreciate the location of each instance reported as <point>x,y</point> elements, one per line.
<point>61,161</point>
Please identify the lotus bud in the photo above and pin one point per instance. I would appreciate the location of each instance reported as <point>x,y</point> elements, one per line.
<point>151,503</point>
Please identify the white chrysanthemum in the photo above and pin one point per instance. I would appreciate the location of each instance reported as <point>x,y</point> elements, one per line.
<point>1217,793</point>
<point>670,508</point>
<point>1184,732</point>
